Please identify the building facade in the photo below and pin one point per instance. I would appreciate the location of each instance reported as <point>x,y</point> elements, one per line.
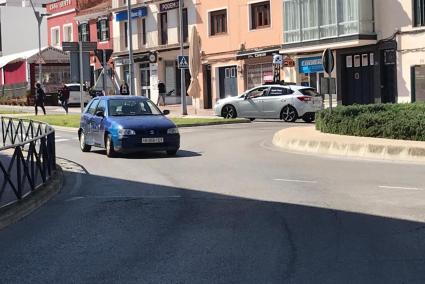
<point>95,24</point>
<point>61,25</point>
<point>238,39</point>
<point>156,44</point>
<point>402,23</point>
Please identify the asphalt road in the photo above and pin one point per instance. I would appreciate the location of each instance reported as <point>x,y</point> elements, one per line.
<point>230,208</point>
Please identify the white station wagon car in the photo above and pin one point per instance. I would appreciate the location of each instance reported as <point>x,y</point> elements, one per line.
<point>286,102</point>
<point>74,94</point>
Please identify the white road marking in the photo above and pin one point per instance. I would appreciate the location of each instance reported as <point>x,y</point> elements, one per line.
<point>295,180</point>
<point>61,140</point>
<point>400,187</point>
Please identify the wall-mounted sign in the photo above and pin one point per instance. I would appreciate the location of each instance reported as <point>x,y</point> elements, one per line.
<point>288,62</point>
<point>167,6</point>
<point>135,13</point>
<point>59,4</point>
<point>256,53</point>
<point>310,65</point>
<point>278,59</point>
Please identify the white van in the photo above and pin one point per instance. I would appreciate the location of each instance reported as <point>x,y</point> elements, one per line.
<point>74,94</point>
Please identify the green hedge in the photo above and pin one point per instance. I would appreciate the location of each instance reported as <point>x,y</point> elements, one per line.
<point>394,121</point>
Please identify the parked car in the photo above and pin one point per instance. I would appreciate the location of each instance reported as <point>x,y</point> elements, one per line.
<point>127,124</point>
<point>286,102</point>
<point>74,94</point>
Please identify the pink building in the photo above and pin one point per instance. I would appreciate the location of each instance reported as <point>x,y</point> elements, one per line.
<point>61,25</point>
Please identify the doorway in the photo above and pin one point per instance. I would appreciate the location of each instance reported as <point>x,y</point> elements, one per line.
<point>145,79</point>
<point>207,86</point>
<point>228,81</point>
<point>388,75</point>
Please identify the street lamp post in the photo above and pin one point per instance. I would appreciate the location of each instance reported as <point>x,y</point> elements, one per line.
<point>130,48</point>
<point>39,16</point>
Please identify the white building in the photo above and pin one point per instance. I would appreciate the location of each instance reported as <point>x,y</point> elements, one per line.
<point>19,27</point>
<point>155,36</point>
<point>403,22</point>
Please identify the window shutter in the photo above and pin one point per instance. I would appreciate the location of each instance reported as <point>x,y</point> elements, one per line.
<point>79,33</point>
<point>107,28</point>
<point>99,30</point>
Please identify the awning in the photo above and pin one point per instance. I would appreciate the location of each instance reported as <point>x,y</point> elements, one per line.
<point>49,55</point>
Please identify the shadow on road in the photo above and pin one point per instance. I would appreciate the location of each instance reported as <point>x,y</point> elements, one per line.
<point>152,155</point>
<point>118,231</point>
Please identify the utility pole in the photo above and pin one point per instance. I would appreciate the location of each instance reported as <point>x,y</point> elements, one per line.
<point>130,49</point>
<point>182,71</point>
<point>80,45</point>
<point>39,16</point>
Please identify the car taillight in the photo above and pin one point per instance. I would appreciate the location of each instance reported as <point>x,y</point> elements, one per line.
<point>304,98</point>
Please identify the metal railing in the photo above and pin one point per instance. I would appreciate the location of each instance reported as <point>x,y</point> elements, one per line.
<point>27,157</point>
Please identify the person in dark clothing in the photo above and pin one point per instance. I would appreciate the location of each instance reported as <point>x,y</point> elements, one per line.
<point>64,97</point>
<point>39,98</point>
<point>161,91</point>
<point>124,90</point>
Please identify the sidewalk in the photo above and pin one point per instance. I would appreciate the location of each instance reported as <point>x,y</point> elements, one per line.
<point>175,110</point>
<point>309,140</point>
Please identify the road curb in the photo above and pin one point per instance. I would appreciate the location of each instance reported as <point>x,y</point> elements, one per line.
<point>15,212</point>
<point>309,140</point>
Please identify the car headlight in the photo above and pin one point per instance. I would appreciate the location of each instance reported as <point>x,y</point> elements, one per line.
<point>126,132</point>
<point>174,130</point>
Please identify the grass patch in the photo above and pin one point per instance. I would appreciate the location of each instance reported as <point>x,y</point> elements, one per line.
<point>6,112</point>
<point>73,120</point>
<point>393,121</point>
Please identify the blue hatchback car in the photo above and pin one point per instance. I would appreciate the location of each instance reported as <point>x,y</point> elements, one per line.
<point>127,124</point>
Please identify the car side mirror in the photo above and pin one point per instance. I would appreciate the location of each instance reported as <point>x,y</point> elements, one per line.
<point>166,112</point>
<point>100,113</point>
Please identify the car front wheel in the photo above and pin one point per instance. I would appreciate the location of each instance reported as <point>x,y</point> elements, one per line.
<point>83,146</point>
<point>228,112</point>
<point>110,151</point>
<point>289,114</point>
<point>309,117</point>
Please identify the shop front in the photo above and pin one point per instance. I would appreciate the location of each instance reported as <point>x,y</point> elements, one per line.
<point>310,71</point>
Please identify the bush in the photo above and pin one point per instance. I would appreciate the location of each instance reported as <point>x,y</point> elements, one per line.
<point>394,121</point>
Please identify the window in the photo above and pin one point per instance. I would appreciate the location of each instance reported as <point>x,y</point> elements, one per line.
<point>185,26</point>
<point>125,34</point>
<point>418,13</point>
<point>144,40</point>
<point>258,92</point>
<point>218,22</point>
<point>101,106</point>
<point>163,28</point>
<point>55,34</point>
<point>92,107</point>
<point>103,29</point>
<point>67,33</point>
<point>275,91</point>
<point>260,15</point>
<point>132,107</point>
<point>84,32</point>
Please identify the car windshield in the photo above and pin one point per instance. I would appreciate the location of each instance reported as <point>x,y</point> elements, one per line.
<point>309,92</point>
<point>132,107</point>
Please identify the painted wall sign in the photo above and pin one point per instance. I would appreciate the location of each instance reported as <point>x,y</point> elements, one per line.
<point>167,6</point>
<point>310,65</point>
<point>60,4</point>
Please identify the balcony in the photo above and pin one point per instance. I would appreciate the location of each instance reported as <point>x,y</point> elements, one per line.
<point>312,20</point>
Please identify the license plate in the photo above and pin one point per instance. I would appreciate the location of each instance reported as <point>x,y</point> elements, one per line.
<point>152,140</point>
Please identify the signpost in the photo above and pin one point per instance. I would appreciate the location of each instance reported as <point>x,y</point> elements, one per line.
<point>80,47</point>
<point>167,6</point>
<point>329,64</point>
<point>277,64</point>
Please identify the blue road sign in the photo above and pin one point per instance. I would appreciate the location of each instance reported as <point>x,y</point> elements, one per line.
<point>183,62</point>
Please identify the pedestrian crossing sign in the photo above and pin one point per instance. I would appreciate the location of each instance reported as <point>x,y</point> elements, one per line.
<point>183,62</point>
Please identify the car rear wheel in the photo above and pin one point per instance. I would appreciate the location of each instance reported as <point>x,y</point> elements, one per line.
<point>110,151</point>
<point>289,114</point>
<point>252,119</point>
<point>228,112</point>
<point>83,146</point>
<point>309,117</point>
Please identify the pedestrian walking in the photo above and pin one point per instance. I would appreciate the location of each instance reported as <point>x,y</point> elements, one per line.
<point>162,91</point>
<point>40,96</point>
<point>124,90</point>
<point>64,97</point>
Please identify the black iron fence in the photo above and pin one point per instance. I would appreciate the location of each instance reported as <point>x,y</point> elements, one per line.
<point>27,157</point>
